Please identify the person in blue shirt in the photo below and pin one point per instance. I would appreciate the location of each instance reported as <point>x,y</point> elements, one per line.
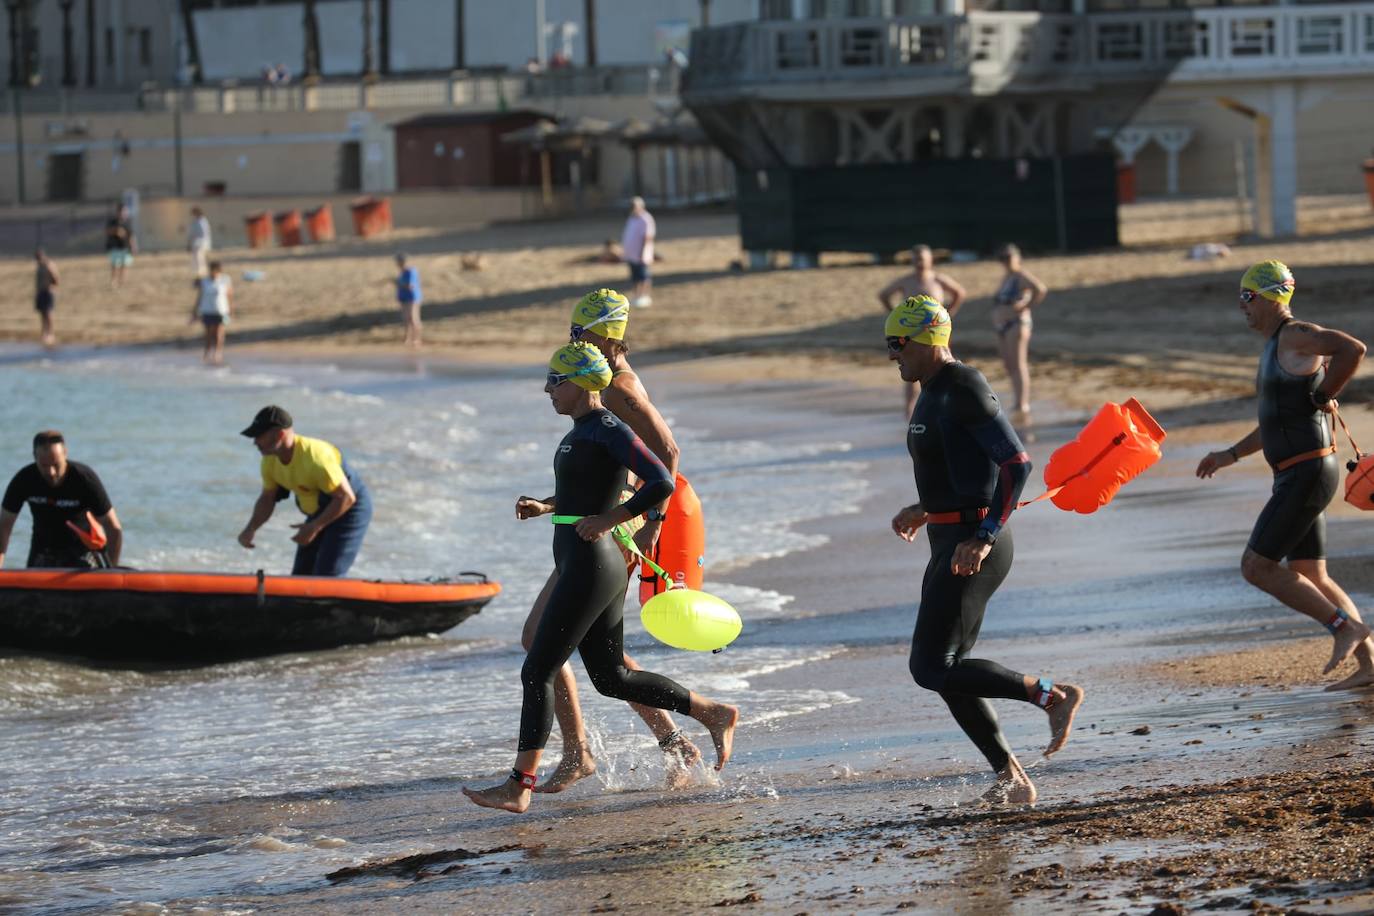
<point>408,296</point>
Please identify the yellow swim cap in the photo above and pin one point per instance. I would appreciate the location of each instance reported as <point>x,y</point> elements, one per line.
<point>579,363</point>
<point>922,319</point>
<point>1272,280</point>
<point>603,311</point>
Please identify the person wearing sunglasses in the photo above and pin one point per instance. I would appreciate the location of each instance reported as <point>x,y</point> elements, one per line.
<point>600,319</point>
<point>585,607</point>
<point>1301,371</point>
<point>970,469</point>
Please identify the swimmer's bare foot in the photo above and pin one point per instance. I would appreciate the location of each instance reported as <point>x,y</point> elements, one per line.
<point>1362,678</point>
<point>720,720</point>
<point>681,755</point>
<point>1364,674</point>
<point>576,765</point>
<point>1061,714</point>
<point>1013,787</point>
<point>508,796</point>
<point>1347,639</point>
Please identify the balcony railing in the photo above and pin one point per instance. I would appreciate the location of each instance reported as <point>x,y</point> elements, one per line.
<point>989,48</point>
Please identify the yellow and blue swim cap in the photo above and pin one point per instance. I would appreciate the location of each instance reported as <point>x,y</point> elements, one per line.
<point>579,363</point>
<point>602,311</point>
<point>1272,280</point>
<point>921,319</point>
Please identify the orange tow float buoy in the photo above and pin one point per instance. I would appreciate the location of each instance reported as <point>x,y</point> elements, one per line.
<point>681,547</point>
<point>1113,449</point>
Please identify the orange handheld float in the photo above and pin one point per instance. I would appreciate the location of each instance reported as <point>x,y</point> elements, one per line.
<point>1359,483</point>
<point>681,547</point>
<point>1113,449</point>
<point>93,536</point>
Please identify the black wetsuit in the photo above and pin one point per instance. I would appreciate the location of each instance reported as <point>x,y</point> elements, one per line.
<point>1292,525</point>
<point>967,458</point>
<point>585,610</point>
<point>53,544</point>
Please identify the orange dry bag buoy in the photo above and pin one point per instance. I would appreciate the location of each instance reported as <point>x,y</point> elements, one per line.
<point>1359,485</point>
<point>1116,445</point>
<point>92,536</point>
<point>681,547</point>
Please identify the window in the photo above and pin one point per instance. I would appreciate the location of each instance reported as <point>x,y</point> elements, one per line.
<point>145,48</point>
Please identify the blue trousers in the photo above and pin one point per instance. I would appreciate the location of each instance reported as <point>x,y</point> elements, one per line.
<point>332,553</point>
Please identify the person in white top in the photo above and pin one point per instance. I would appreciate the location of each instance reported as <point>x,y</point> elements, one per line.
<point>637,243</point>
<point>198,241</point>
<point>214,305</point>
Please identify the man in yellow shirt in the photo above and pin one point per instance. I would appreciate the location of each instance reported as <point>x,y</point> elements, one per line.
<point>333,497</point>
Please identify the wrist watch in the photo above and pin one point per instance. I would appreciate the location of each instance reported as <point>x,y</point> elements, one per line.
<point>1319,397</point>
<point>986,536</point>
<point>655,515</point>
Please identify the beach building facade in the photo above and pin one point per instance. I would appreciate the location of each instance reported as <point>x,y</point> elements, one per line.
<point>176,99</point>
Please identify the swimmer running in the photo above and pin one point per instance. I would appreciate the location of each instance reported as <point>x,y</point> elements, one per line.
<point>1302,370</point>
<point>585,608</point>
<point>600,319</point>
<point>970,468</point>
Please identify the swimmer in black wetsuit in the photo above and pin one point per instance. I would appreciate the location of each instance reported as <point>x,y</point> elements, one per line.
<point>970,468</point>
<point>585,608</point>
<point>1301,371</point>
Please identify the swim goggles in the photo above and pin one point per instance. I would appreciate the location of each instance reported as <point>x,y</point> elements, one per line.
<point>895,345</point>
<point>1248,295</point>
<point>555,379</point>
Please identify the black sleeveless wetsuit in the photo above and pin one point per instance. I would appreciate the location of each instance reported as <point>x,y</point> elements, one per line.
<point>966,457</point>
<point>1292,525</point>
<point>585,610</point>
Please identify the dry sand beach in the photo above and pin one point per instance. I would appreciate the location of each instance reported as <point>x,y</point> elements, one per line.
<point>1208,770</point>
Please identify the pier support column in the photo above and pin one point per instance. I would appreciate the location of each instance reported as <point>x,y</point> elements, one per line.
<point>1283,158</point>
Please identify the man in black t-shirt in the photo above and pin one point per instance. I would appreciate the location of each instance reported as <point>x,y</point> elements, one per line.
<point>74,524</point>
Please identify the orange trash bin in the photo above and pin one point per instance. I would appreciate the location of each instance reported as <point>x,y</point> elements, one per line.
<point>288,228</point>
<point>1125,182</point>
<point>258,228</point>
<point>371,216</point>
<point>319,223</point>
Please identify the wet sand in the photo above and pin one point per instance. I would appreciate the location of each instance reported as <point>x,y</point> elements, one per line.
<point>1208,770</point>
<point>1193,792</point>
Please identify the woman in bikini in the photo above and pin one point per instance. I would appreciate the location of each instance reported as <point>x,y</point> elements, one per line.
<point>1011,316</point>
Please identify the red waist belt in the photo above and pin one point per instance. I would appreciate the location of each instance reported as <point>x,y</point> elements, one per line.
<point>957,517</point>
<point>1287,463</point>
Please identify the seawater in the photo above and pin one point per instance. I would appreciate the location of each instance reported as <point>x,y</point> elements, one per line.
<point>100,763</point>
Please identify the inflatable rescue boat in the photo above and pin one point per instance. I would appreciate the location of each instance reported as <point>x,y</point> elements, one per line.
<point>134,615</point>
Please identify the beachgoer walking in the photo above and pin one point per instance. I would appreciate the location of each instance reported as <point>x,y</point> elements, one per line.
<point>970,467</point>
<point>120,244</point>
<point>74,523</point>
<point>409,298</point>
<point>214,304</point>
<point>600,319</point>
<point>198,242</point>
<point>637,247</point>
<point>1011,317</point>
<point>335,500</point>
<point>45,297</point>
<point>922,281</point>
<point>1301,371</point>
<point>585,608</point>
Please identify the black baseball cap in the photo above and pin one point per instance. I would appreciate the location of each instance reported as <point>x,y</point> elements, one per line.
<point>270,417</point>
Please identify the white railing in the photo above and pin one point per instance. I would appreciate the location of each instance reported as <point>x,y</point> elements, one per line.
<point>988,49</point>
